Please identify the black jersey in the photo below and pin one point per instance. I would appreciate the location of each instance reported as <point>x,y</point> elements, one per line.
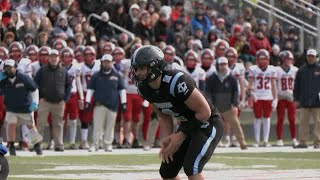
<point>176,87</point>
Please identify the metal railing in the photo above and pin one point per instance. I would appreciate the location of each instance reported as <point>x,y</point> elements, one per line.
<point>105,18</point>
<point>276,12</point>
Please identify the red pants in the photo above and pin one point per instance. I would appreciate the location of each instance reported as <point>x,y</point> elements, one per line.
<point>281,110</point>
<point>262,109</point>
<point>72,108</point>
<point>134,108</point>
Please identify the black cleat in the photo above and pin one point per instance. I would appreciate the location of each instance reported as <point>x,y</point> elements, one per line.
<point>12,150</point>
<point>126,144</point>
<point>135,144</point>
<point>301,146</point>
<point>37,148</point>
<point>59,149</point>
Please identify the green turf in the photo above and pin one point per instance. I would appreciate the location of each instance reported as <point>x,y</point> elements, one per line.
<point>31,165</point>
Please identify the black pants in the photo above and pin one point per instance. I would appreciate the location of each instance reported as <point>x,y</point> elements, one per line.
<point>195,151</point>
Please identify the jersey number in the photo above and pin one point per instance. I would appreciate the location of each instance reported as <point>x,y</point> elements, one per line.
<point>286,83</point>
<point>263,82</point>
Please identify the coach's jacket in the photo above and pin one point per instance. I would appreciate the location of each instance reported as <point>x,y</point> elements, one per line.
<point>17,97</point>
<point>223,95</point>
<point>54,84</point>
<point>307,86</point>
<point>106,88</point>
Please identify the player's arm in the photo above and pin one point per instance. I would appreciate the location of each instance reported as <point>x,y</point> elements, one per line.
<point>242,88</point>
<point>197,103</point>
<point>251,89</point>
<point>165,122</point>
<point>250,85</point>
<point>79,87</point>
<point>274,88</point>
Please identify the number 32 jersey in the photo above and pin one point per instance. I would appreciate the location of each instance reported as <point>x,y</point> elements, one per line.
<point>262,81</point>
<point>176,87</point>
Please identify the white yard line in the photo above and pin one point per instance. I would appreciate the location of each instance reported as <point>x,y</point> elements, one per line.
<point>156,151</point>
<point>248,174</point>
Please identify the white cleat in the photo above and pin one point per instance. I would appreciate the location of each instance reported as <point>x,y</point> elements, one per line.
<point>266,144</point>
<point>93,149</point>
<point>108,148</point>
<point>221,144</point>
<point>255,145</point>
<point>146,148</point>
<point>280,143</point>
<point>294,142</point>
<point>228,144</point>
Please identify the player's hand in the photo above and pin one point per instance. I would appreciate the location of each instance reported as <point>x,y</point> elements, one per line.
<point>170,145</point>
<point>33,107</point>
<point>81,104</point>
<point>87,106</point>
<point>124,107</point>
<point>145,104</point>
<point>254,97</point>
<point>242,105</point>
<point>274,104</point>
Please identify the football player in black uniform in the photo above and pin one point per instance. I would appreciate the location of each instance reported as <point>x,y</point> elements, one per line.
<point>174,93</point>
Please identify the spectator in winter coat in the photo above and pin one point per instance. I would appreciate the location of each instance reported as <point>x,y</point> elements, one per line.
<point>8,39</point>
<point>274,55</point>
<point>236,32</point>
<point>176,11</point>
<point>259,41</point>
<point>200,21</point>
<point>133,18</point>
<point>16,18</point>
<point>62,27</point>
<point>144,28</point>
<point>27,28</point>
<point>176,27</point>
<point>153,10</point>
<point>4,6</point>
<point>45,25</point>
<point>161,28</point>
<point>53,13</point>
<point>31,6</point>
<point>275,37</point>
<point>119,16</point>
<point>220,29</point>
<point>293,39</point>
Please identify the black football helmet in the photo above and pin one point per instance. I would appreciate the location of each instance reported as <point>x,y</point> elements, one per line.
<point>151,57</point>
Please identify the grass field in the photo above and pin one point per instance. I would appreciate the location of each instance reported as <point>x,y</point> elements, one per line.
<point>257,163</point>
